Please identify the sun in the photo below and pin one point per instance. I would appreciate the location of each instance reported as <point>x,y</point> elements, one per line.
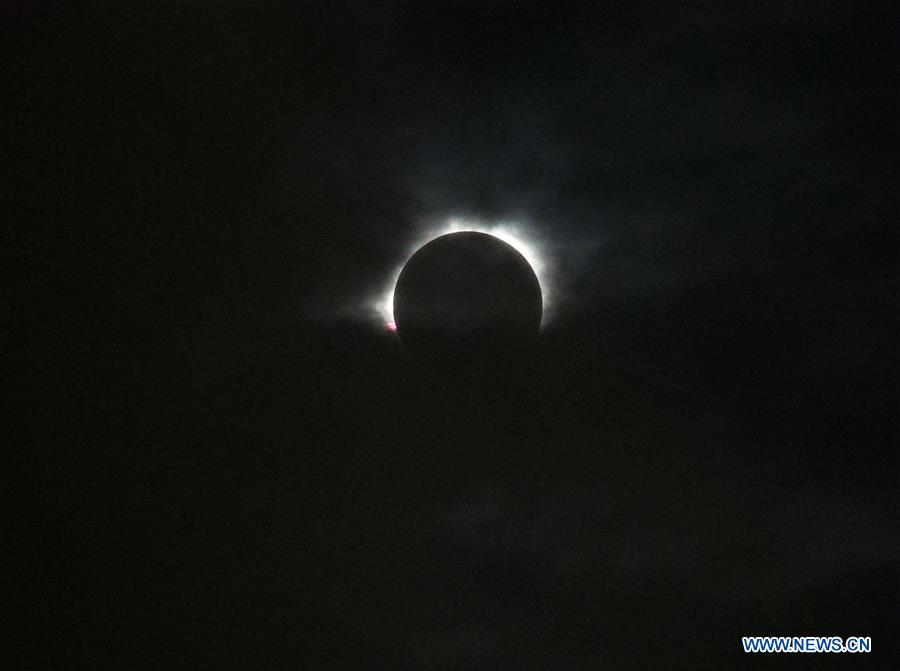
<point>513,234</point>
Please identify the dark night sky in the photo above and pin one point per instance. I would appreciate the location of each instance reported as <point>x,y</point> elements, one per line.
<point>218,459</point>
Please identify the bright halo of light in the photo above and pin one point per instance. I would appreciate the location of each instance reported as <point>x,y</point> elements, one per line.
<point>512,234</point>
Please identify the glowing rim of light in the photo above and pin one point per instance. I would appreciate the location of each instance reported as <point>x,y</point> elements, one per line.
<point>509,233</point>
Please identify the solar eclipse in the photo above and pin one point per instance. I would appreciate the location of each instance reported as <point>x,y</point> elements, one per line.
<point>467,294</point>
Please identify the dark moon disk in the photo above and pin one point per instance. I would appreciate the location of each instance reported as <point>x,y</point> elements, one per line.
<point>466,296</point>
